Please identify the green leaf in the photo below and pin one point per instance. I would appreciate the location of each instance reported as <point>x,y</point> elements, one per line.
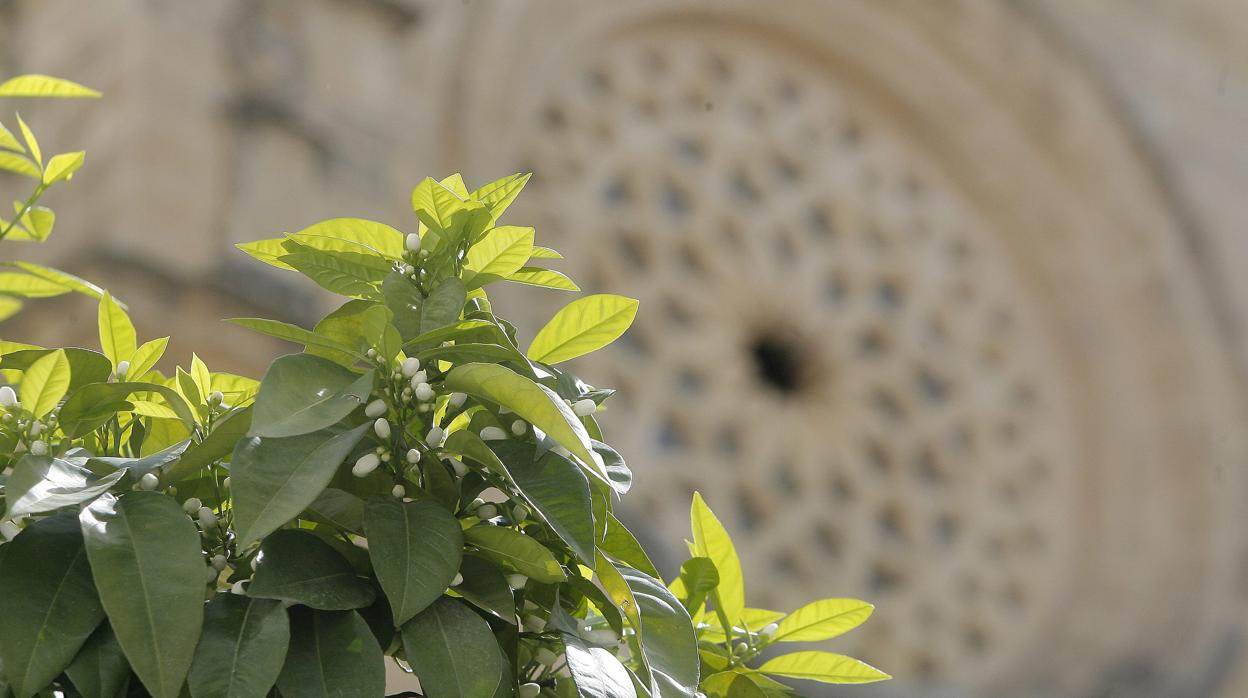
<point>453,652</point>
<point>332,654</point>
<point>596,672</point>
<point>62,167</point>
<point>499,194</point>
<point>85,366</point>
<point>44,483</point>
<point>621,544</point>
<point>89,406</point>
<point>618,473</point>
<point>276,479</point>
<point>468,353</point>
<point>345,273</point>
<point>516,551</point>
<point>20,164</point>
<point>665,634</point>
<point>302,393</point>
<point>9,141</point>
<point>405,303</point>
<point>34,85</point>
<point>825,667</point>
<point>48,603</point>
<point>100,670</point>
<point>31,143</point>
<point>499,254</point>
<point>298,567</point>
<point>80,285</point>
<point>45,383</point>
<point>28,286</point>
<point>267,251</point>
<point>242,648</point>
<point>540,252</point>
<point>535,403</point>
<point>376,236</point>
<point>753,618</point>
<point>416,548</point>
<point>711,540</point>
<point>117,336</point>
<point>293,333</point>
<point>456,184</point>
<point>147,562</point>
<point>557,490</point>
<point>443,306</point>
<point>338,508</point>
<point>584,325</point>
<point>544,278</point>
<point>823,620</point>
<point>146,356</point>
<point>698,577</point>
<point>485,586</point>
<point>435,204</point>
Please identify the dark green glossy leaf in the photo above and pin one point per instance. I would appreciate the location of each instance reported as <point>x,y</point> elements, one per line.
<point>276,479</point>
<point>618,472</point>
<point>242,648</point>
<point>416,549</point>
<point>146,558</point>
<point>346,273</point>
<point>596,671</point>
<point>454,652</point>
<point>620,544</point>
<point>338,508</point>
<point>558,491</point>
<point>44,483</point>
<point>443,306</point>
<point>666,634</point>
<point>485,586</point>
<point>298,567</point>
<point>405,303</point>
<point>137,467</point>
<point>332,654</point>
<point>100,670</point>
<point>217,445</point>
<point>48,603</point>
<point>517,552</point>
<point>302,393</point>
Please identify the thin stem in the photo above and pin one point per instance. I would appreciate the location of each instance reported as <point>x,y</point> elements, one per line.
<point>30,203</point>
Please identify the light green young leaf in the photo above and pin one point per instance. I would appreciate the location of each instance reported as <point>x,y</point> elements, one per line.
<point>267,251</point>
<point>620,544</point>
<point>45,383</point>
<point>242,648</point>
<point>499,194</point>
<point>823,620</point>
<point>34,85</point>
<point>518,552</point>
<point>825,667</point>
<point>371,234</point>
<point>148,566</point>
<point>146,356</point>
<point>62,167</point>
<point>9,141</point>
<point>456,184</point>
<point>20,164</point>
<point>711,540</point>
<point>544,253</point>
<point>499,254</point>
<point>73,282</point>
<point>535,403</point>
<point>48,602</point>
<point>31,143</point>
<point>416,548</point>
<point>544,278</point>
<point>117,336</point>
<point>435,204</point>
<point>584,325</point>
<point>201,375</point>
<point>345,273</point>
<point>293,333</point>
<point>454,653</point>
<point>28,286</point>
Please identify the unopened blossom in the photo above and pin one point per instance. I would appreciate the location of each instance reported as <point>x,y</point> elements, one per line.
<point>366,464</point>
<point>375,409</point>
<point>8,397</point>
<point>585,407</point>
<point>413,456</point>
<point>492,433</point>
<point>424,392</point>
<point>410,366</point>
<point>412,242</point>
<point>382,428</point>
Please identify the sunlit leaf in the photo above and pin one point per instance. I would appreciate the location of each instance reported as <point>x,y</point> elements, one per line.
<point>584,325</point>
<point>45,383</point>
<point>825,667</point>
<point>62,167</point>
<point>34,85</point>
<point>823,620</point>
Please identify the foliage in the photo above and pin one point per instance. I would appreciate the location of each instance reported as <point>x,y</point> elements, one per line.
<point>411,484</point>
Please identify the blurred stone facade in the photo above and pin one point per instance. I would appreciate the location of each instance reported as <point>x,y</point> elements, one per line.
<point>943,302</point>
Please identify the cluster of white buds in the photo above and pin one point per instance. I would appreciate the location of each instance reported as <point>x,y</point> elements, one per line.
<point>8,397</point>
<point>412,242</point>
<point>423,392</point>
<point>487,511</point>
<point>458,467</point>
<point>492,433</point>
<point>219,562</point>
<point>215,398</point>
<point>519,513</point>
<point>39,447</point>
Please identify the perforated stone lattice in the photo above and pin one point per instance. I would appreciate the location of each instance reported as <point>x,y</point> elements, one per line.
<point>815,300</point>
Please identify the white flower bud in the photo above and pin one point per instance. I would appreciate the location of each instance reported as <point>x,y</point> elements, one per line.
<point>385,457</point>
<point>39,448</point>
<point>492,433</point>
<point>529,690</point>
<point>545,657</point>
<point>123,367</point>
<point>582,408</point>
<point>457,400</point>
<point>9,529</point>
<point>410,366</point>
<point>424,392</point>
<point>149,482</point>
<point>487,511</point>
<point>382,427</point>
<point>457,579</point>
<point>216,397</point>
<point>534,624</point>
<point>398,492</point>
<point>366,464</point>
<point>519,513</point>
<point>239,588</point>
<point>191,506</point>
<point>408,270</point>
<point>517,581</point>
<point>207,519</point>
<point>458,466</point>
<point>219,562</point>
<point>375,409</point>
<point>519,426</point>
<point>413,456</point>
<point>8,397</point>
<point>226,482</point>
<point>421,376</point>
<point>371,353</point>
<point>604,637</point>
<point>413,242</point>
<point>769,630</point>
<point>435,436</point>
<point>36,428</point>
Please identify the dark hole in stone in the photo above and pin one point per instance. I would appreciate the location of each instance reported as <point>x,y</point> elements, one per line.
<point>779,363</point>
